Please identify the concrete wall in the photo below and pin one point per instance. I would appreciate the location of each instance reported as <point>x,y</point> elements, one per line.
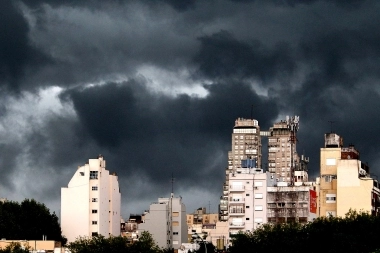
<point>352,192</point>
<point>157,222</point>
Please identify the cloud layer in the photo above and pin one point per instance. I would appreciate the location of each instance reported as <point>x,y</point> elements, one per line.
<point>156,87</point>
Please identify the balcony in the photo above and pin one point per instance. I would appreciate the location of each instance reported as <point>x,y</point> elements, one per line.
<point>237,188</point>
<point>236,212</point>
<point>235,224</point>
<point>237,200</point>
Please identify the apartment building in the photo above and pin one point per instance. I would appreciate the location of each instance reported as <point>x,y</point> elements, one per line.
<point>291,203</point>
<point>345,182</point>
<point>201,217</point>
<point>283,159</point>
<point>90,204</point>
<point>166,221</point>
<point>245,145</point>
<point>247,203</point>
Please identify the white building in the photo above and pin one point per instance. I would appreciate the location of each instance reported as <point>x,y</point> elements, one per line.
<point>247,199</point>
<point>90,205</point>
<point>166,222</point>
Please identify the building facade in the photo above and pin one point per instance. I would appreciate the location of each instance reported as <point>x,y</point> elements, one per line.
<point>90,204</point>
<point>247,202</point>
<point>345,182</point>
<point>166,221</point>
<point>291,203</point>
<point>245,145</point>
<point>283,159</point>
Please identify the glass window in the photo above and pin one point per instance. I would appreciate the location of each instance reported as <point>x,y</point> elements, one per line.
<point>94,211</point>
<point>95,188</point>
<point>93,175</point>
<point>94,200</point>
<point>94,222</point>
<point>258,208</point>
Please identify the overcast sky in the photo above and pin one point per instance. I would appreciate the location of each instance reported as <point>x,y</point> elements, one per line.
<point>156,86</point>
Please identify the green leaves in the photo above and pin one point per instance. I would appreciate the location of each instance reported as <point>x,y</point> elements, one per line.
<point>14,247</point>
<point>356,233</point>
<point>28,220</point>
<point>100,244</point>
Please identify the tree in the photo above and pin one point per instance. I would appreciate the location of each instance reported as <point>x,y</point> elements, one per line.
<point>117,244</point>
<point>29,220</point>
<point>357,232</point>
<point>14,247</point>
<point>145,244</point>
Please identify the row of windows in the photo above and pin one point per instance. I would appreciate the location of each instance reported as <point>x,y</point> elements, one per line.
<point>244,131</point>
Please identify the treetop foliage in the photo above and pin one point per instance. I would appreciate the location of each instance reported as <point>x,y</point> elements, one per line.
<point>357,232</point>
<point>28,220</point>
<point>100,244</point>
<point>14,247</point>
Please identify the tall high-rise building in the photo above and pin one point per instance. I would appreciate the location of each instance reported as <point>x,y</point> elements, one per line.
<point>287,175</point>
<point>90,204</point>
<point>246,145</point>
<point>283,159</point>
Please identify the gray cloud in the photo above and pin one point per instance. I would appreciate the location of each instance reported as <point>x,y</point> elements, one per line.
<point>121,78</point>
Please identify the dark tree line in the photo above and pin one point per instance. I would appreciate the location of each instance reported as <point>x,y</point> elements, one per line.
<point>355,233</point>
<point>28,220</point>
<point>100,244</point>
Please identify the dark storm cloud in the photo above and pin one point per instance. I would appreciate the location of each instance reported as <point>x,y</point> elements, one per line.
<point>154,137</point>
<point>16,52</point>
<point>222,56</point>
<point>162,133</point>
<point>316,59</point>
<point>14,48</point>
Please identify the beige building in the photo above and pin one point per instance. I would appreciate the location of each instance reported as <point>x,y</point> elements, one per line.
<point>200,216</point>
<point>34,245</point>
<point>345,182</point>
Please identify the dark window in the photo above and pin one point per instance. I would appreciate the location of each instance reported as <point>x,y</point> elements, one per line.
<point>94,211</point>
<point>93,175</point>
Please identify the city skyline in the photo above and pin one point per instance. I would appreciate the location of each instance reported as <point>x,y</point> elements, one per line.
<point>156,86</point>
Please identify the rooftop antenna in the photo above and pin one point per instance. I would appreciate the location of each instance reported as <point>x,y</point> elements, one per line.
<point>172,181</point>
<point>251,111</point>
<point>331,125</point>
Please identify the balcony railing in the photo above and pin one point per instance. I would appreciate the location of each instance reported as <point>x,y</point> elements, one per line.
<point>237,200</point>
<point>237,224</point>
<point>237,212</point>
<point>237,188</point>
